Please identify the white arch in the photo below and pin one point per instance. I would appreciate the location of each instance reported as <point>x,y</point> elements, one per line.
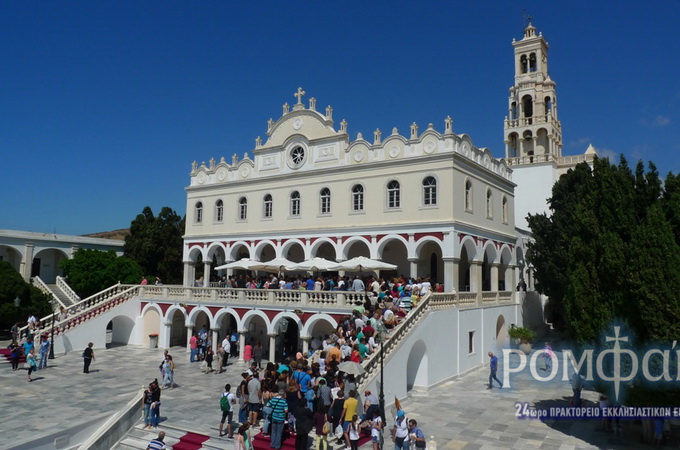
<point>424,240</point>
<point>393,237</point>
<point>194,252</point>
<point>235,246</point>
<point>285,247</point>
<point>194,312</point>
<point>245,320</point>
<point>305,331</point>
<point>490,250</point>
<point>315,246</point>
<point>506,256</point>
<point>155,306</point>
<point>227,311</point>
<point>214,247</point>
<point>281,315</point>
<point>260,245</point>
<point>345,246</point>
<point>470,245</point>
<point>171,312</point>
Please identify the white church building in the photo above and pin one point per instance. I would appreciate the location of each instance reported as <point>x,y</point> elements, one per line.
<point>429,201</point>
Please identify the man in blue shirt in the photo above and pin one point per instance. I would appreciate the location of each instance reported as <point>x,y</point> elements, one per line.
<point>44,353</point>
<point>493,367</point>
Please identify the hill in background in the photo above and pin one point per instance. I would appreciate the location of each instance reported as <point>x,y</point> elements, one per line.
<point>115,234</point>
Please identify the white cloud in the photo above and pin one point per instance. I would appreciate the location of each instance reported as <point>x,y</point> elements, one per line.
<point>661,121</point>
<point>658,121</point>
<point>612,155</point>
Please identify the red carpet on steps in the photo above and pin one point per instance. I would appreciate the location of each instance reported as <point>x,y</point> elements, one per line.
<point>191,441</point>
<point>7,354</point>
<point>260,442</point>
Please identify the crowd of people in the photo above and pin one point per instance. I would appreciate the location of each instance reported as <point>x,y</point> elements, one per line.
<point>419,286</point>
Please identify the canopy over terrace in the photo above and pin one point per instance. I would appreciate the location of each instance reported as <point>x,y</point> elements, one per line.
<point>245,263</point>
<point>361,263</point>
<point>317,265</point>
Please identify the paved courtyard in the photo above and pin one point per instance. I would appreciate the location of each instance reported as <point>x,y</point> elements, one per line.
<point>460,413</point>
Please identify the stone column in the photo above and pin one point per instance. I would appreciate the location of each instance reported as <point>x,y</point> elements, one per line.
<point>510,281</point>
<point>215,337</point>
<point>450,274</point>
<point>413,267</point>
<point>27,262</point>
<point>475,276</point>
<point>164,334</point>
<point>241,344</point>
<point>188,278</point>
<point>272,345</point>
<point>190,332</point>
<point>206,274</point>
<point>305,345</point>
<point>494,277</point>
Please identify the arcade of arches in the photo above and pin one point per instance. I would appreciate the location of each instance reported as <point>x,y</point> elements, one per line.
<point>475,264</point>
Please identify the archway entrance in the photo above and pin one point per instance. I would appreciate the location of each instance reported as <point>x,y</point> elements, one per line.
<point>152,324</point>
<point>287,342</point>
<point>416,367</point>
<point>501,333</point>
<point>178,330</point>
<point>118,331</point>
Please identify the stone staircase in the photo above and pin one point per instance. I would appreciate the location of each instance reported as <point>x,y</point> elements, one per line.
<point>63,298</point>
<point>138,438</point>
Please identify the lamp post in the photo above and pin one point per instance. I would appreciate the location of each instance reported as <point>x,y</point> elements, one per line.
<point>381,395</point>
<point>52,340</point>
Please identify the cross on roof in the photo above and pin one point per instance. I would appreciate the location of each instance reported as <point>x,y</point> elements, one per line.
<point>299,95</point>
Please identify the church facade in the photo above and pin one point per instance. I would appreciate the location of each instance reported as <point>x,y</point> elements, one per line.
<point>429,200</point>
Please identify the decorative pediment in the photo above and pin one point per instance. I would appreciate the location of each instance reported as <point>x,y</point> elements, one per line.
<point>308,123</point>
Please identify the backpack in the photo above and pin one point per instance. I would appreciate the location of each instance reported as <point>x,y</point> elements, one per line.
<point>224,403</point>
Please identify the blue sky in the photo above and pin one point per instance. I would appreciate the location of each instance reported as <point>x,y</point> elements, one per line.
<point>104,105</point>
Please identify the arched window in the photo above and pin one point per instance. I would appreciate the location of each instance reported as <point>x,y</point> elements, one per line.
<point>393,194</point>
<point>268,206</point>
<point>489,204</point>
<point>513,111</point>
<point>528,107</point>
<point>295,203</point>
<point>199,212</point>
<point>468,195</point>
<point>548,105</point>
<point>219,211</point>
<point>429,191</point>
<point>506,212</point>
<point>523,64</point>
<point>357,198</point>
<point>532,62</point>
<point>325,198</point>
<point>243,208</point>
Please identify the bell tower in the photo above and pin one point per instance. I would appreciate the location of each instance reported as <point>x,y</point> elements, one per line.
<point>532,130</point>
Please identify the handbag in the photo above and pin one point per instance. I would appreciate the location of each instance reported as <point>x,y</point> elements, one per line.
<point>326,428</point>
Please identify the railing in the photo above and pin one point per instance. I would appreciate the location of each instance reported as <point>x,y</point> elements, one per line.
<point>56,301</point>
<point>66,289</point>
<point>561,160</point>
<point>436,301</point>
<point>105,297</point>
<point>372,364</point>
<point>273,297</point>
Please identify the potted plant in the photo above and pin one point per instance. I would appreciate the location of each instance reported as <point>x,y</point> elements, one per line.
<point>522,337</point>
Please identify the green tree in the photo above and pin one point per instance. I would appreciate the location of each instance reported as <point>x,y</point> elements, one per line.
<point>156,244</point>
<point>601,255</point>
<point>32,300</point>
<point>91,271</point>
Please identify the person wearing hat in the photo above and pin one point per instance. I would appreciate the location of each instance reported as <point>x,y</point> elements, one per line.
<point>279,413</point>
<point>400,431</point>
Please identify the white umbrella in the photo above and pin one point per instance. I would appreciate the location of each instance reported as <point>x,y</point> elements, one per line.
<point>316,265</point>
<point>362,263</point>
<point>351,368</point>
<point>244,263</point>
<point>276,265</point>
